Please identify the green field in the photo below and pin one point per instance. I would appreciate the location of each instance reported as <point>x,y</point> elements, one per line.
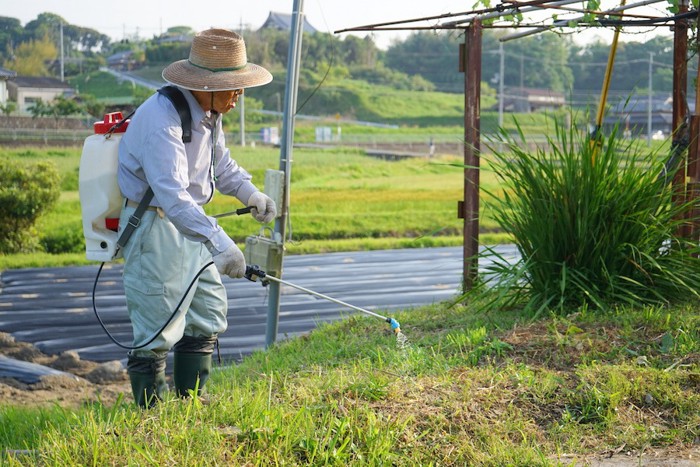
<point>341,200</point>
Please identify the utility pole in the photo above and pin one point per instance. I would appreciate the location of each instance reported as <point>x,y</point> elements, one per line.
<point>500,86</point>
<point>241,104</point>
<point>61,29</point>
<point>286,149</point>
<point>241,114</point>
<point>649,103</point>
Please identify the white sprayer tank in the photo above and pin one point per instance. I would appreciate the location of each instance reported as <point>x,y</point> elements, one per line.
<point>100,198</point>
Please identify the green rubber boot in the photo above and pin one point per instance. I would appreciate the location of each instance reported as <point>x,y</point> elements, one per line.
<point>191,370</point>
<point>147,376</point>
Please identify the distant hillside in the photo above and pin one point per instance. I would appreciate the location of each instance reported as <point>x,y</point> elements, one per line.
<point>346,98</point>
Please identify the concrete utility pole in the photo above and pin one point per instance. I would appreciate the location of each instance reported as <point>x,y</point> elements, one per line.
<point>649,104</point>
<point>286,149</point>
<point>500,85</point>
<point>61,29</point>
<point>241,103</point>
<point>241,113</point>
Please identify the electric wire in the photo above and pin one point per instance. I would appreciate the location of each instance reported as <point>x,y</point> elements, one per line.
<point>156,334</point>
<point>325,76</point>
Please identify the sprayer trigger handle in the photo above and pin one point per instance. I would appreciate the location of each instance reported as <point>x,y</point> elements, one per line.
<point>253,271</point>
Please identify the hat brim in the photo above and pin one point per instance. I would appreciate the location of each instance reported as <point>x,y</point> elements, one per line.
<point>182,73</point>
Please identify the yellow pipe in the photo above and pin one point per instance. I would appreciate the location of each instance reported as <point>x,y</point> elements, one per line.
<point>606,81</point>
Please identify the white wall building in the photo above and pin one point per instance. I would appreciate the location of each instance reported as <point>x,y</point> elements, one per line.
<point>27,90</point>
<point>4,76</point>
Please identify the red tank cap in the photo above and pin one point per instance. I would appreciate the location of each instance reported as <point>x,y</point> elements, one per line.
<point>109,121</point>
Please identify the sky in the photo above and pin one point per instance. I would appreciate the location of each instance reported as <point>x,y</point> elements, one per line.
<point>146,18</point>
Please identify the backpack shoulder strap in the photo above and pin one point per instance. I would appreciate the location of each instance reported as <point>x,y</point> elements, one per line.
<point>183,109</point>
<point>134,219</point>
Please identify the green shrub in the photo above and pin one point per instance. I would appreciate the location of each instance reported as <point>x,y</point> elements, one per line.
<point>70,180</point>
<point>27,190</point>
<point>64,240</point>
<point>595,225</point>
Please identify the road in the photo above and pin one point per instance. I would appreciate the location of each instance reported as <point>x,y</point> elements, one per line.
<point>52,307</point>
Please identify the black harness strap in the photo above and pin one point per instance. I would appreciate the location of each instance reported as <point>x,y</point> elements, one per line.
<point>183,110</point>
<point>180,103</point>
<point>135,219</point>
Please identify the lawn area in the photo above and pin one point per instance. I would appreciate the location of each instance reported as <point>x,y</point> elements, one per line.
<point>341,200</point>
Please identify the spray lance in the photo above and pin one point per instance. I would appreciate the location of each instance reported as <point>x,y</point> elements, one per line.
<point>252,272</point>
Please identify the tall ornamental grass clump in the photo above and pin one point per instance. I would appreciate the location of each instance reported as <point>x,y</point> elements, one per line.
<point>594,223</point>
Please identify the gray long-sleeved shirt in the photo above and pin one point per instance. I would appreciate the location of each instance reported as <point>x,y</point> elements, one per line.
<point>182,176</point>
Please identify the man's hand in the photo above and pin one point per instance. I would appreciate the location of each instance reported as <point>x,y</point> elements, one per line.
<point>230,262</point>
<point>264,209</point>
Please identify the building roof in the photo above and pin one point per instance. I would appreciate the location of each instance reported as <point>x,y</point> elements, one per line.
<point>534,92</point>
<point>120,58</point>
<point>638,103</point>
<point>6,74</point>
<point>283,22</point>
<point>39,82</point>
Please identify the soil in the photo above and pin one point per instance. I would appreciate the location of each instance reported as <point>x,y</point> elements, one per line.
<point>81,382</point>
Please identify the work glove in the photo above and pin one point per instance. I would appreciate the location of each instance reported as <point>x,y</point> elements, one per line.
<point>264,209</point>
<point>230,262</point>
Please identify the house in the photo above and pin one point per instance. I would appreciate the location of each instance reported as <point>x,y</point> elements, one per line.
<point>123,61</point>
<point>283,22</point>
<point>5,75</point>
<point>527,100</point>
<point>27,90</point>
<point>632,115</point>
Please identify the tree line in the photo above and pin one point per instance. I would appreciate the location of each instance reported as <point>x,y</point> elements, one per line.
<point>424,61</point>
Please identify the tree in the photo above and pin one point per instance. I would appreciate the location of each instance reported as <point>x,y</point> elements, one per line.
<point>180,31</point>
<point>65,107</point>
<point>92,106</point>
<point>8,108</point>
<point>32,58</point>
<point>434,56</point>
<point>630,70</point>
<point>10,31</point>
<point>39,109</point>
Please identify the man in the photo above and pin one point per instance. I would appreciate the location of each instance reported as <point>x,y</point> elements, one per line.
<point>175,239</point>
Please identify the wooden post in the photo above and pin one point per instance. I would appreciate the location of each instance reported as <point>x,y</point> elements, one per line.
<point>693,191</point>
<point>680,131</point>
<point>470,65</point>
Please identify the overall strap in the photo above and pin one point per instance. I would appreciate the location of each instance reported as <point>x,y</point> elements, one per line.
<point>135,219</point>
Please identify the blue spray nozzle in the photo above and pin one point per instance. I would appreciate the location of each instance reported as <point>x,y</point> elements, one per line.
<point>394,324</point>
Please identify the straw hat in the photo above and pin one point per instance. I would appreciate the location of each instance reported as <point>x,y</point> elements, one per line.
<point>218,62</point>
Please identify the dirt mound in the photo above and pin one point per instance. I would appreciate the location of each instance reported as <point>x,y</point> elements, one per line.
<point>74,382</point>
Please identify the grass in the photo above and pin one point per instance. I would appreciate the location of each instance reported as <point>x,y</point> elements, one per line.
<point>595,224</point>
<point>468,389</point>
<point>341,200</point>
<point>476,385</point>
